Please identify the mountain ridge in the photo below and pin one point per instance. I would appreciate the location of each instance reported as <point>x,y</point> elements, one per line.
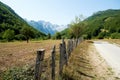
<point>46,27</point>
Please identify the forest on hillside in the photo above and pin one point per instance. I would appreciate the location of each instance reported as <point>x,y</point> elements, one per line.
<point>13,27</point>
<point>103,24</point>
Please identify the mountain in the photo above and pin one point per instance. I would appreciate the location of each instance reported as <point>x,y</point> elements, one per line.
<point>46,27</point>
<point>103,24</point>
<point>11,22</point>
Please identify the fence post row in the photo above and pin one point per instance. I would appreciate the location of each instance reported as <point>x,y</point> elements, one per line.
<point>38,66</point>
<point>64,55</point>
<point>53,63</point>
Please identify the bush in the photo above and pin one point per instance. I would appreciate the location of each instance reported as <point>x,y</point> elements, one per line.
<point>115,36</point>
<point>101,35</point>
<point>9,35</point>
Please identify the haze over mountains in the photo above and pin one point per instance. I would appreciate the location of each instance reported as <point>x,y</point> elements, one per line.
<point>46,27</point>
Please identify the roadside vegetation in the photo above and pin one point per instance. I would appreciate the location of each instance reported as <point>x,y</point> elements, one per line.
<point>114,41</point>
<point>86,64</point>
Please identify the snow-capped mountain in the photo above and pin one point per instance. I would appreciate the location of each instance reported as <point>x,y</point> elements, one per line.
<point>46,27</point>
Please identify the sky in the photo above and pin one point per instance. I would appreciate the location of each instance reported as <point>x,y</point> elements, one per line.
<point>60,12</point>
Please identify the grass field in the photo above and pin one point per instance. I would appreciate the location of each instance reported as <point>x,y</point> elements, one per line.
<point>21,53</point>
<point>84,63</point>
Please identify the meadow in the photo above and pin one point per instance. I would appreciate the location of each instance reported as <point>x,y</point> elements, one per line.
<point>84,63</point>
<point>22,53</point>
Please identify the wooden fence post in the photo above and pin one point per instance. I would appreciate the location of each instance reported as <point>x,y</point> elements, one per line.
<point>74,44</point>
<point>53,63</point>
<point>69,48</point>
<point>61,60</point>
<point>64,52</point>
<point>78,40</point>
<point>38,66</point>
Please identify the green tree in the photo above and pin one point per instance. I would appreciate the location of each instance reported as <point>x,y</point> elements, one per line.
<point>76,27</point>
<point>57,35</point>
<point>20,37</point>
<point>27,32</point>
<point>9,35</point>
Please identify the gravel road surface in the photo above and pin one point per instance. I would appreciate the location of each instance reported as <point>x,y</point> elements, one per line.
<point>111,53</point>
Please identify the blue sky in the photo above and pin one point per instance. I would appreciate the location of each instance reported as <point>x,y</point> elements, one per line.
<point>59,11</point>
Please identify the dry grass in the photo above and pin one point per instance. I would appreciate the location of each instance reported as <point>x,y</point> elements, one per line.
<point>21,53</point>
<point>117,41</point>
<point>86,64</point>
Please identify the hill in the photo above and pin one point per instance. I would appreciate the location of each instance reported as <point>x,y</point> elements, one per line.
<point>11,23</point>
<point>46,27</point>
<point>103,24</point>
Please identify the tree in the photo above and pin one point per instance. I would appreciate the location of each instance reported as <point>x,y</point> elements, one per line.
<point>76,27</point>
<point>9,35</point>
<point>57,35</point>
<point>20,37</point>
<point>27,32</point>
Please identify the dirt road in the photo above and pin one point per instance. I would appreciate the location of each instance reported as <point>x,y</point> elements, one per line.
<point>111,53</point>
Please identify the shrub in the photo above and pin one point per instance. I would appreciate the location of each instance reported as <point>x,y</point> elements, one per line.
<point>101,35</point>
<point>115,36</point>
<point>9,35</point>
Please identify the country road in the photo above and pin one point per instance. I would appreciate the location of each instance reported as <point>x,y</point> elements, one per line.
<point>111,53</point>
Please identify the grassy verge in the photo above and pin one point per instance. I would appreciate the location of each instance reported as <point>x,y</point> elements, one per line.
<point>86,64</point>
<point>78,62</point>
<point>117,41</point>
